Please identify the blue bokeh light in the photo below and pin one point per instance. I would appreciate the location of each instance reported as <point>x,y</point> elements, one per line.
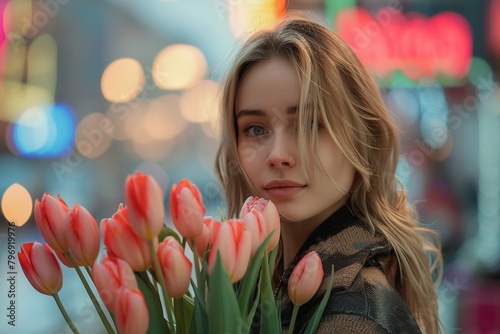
<point>45,131</point>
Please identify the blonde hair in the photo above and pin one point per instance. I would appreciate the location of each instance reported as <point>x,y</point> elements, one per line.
<point>338,91</point>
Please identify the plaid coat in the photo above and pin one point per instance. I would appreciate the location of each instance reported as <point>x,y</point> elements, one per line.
<point>364,299</point>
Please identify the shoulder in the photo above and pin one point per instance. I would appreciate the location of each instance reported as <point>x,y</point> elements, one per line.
<point>371,301</point>
<point>348,323</point>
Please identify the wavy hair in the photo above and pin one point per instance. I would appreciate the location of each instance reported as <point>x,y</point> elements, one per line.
<point>338,90</point>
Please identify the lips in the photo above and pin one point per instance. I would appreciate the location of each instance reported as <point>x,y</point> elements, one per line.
<point>283,188</point>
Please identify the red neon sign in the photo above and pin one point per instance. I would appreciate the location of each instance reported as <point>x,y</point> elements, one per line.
<point>416,45</point>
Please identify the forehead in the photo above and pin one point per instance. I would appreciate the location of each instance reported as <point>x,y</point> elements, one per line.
<point>267,85</point>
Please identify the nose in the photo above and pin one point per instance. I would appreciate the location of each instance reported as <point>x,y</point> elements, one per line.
<point>281,153</point>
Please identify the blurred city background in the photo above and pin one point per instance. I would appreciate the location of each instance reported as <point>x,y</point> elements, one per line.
<point>94,90</point>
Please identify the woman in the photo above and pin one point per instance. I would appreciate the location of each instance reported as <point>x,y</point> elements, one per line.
<point>304,125</point>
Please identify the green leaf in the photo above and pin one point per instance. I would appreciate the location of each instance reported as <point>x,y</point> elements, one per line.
<point>247,286</point>
<point>223,310</point>
<point>199,320</point>
<point>157,323</point>
<point>246,327</point>
<point>315,320</point>
<point>167,231</point>
<point>183,310</point>
<point>269,320</point>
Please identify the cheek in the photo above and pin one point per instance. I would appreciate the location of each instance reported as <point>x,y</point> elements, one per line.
<point>248,154</point>
<point>336,164</point>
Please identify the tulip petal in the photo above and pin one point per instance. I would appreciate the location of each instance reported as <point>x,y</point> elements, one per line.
<point>47,267</point>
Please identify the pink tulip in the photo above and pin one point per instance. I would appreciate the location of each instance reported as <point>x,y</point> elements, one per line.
<point>131,312</point>
<point>83,236</point>
<point>110,276</point>
<point>186,209</point>
<point>50,216</point>
<point>122,242</point>
<point>214,230</point>
<point>233,241</point>
<point>64,259</point>
<point>305,279</point>
<point>270,214</point>
<point>175,266</point>
<point>41,267</point>
<point>144,199</point>
<point>203,240</point>
<point>254,221</point>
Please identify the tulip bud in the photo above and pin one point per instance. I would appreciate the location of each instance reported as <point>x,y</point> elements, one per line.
<point>50,214</point>
<point>131,312</point>
<point>175,266</point>
<point>186,209</point>
<point>122,242</point>
<point>214,229</point>
<point>144,199</point>
<point>270,214</point>
<point>254,221</point>
<point>41,267</point>
<point>83,236</point>
<point>110,277</point>
<point>234,244</point>
<point>305,279</point>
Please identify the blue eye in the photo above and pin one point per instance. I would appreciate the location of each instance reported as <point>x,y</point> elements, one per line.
<point>254,130</point>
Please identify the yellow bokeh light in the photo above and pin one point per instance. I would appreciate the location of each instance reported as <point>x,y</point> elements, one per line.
<point>122,80</point>
<point>13,21</point>
<point>199,103</point>
<point>179,66</point>
<point>92,137</point>
<point>17,204</point>
<point>246,17</point>
<point>163,118</point>
<point>30,77</point>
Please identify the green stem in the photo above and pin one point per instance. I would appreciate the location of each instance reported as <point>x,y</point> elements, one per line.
<point>98,308</point>
<point>294,317</point>
<point>89,272</point>
<point>222,217</point>
<point>179,312</point>
<point>65,314</point>
<point>159,276</point>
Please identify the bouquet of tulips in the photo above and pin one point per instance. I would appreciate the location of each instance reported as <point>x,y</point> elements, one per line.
<point>144,279</point>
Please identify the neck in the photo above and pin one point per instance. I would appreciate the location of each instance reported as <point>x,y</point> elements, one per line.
<point>293,235</point>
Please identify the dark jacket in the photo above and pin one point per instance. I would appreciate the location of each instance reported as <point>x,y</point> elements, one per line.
<point>363,300</point>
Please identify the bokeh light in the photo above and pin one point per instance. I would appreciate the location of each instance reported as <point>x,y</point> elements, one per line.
<point>162,119</point>
<point>434,108</point>
<point>17,204</point>
<point>44,131</point>
<point>179,66</point>
<point>405,102</point>
<point>122,80</point>
<point>92,136</point>
<point>30,76</point>
<point>199,103</point>
<point>246,17</point>
<point>42,63</point>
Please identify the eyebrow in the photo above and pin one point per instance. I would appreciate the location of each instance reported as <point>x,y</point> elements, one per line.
<point>260,112</point>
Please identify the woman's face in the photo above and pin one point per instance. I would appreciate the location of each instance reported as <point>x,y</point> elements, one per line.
<point>266,107</point>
